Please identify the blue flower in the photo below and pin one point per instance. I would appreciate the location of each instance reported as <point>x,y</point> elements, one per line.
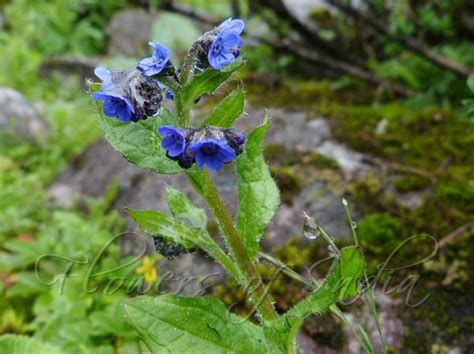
<point>212,152</point>
<point>105,76</point>
<point>226,45</point>
<point>174,141</point>
<point>115,105</point>
<point>157,62</point>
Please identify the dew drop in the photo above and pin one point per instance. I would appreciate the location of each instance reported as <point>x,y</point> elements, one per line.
<point>310,230</point>
<point>311,234</point>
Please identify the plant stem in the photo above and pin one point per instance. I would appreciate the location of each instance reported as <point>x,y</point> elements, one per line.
<point>183,114</point>
<point>253,282</point>
<point>213,249</point>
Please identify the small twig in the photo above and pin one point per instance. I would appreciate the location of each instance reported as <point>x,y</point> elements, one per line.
<point>453,235</point>
<point>402,168</point>
<point>337,65</point>
<point>409,43</point>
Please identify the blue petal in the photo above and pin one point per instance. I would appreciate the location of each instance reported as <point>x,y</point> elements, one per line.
<point>225,24</point>
<point>226,154</point>
<point>110,108</point>
<point>160,51</point>
<point>105,76</point>
<point>148,66</point>
<point>200,160</point>
<point>174,140</point>
<point>213,61</point>
<point>102,73</point>
<point>169,129</point>
<point>230,40</point>
<point>236,26</point>
<point>124,114</point>
<point>214,164</point>
<point>155,64</point>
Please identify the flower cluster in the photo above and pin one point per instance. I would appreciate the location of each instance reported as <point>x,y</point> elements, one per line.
<point>219,47</point>
<point>131,95</point>
<point>207,146</point>
<point>128,95</point>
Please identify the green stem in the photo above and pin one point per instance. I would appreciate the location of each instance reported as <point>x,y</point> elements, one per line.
<point>213,249</point>
<point>183,113</point>
<point>368,295</point>
<point>253,283</point>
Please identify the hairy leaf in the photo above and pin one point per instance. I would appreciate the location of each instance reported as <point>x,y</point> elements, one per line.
<point>178,324</point>
<point>16,344</point>
<point>140,143</point>
<point>258,194</point>
<point>183,209</point>
<point>156,223</point>
<point>340,283</point>
<point>228,110</point>
<point>206,82</point>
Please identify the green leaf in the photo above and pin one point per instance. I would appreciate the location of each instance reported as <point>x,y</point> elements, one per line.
<point>340,283</point>
<point>15,344</point>
<point>258,194</point>
<point>139,142</point>
<point>156,223</point>
<point>470,83</point>
<point>206,82</point>
<point>228,110</point>
<point>183,209</point>
<point>178,324</point>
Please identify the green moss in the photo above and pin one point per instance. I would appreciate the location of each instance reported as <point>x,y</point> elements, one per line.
<point>302,94</point>
<point>376,230</point>
<point>410,182</point>
<point>457,193</point>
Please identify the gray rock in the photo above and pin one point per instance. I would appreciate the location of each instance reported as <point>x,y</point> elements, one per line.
<point>20,118</point>
<point>129,32</point>
<point>303,132</point>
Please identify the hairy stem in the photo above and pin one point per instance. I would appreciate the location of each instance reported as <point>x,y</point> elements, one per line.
<point>251,281</point>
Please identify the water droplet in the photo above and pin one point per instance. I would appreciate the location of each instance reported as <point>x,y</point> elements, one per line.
<point>311,229</point>
<point>311,234</point>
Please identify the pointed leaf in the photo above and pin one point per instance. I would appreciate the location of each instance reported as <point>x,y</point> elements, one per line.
<point>139,142</point>
<point>183,209</point>
<point>340,283</point>
<point>206,82</point>
<point>156,223</point>
<point>228,110</point>
<point>258,194</point>
<point>178,324</point>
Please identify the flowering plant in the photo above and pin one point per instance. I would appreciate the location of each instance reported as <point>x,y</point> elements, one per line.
<point>152,137</point>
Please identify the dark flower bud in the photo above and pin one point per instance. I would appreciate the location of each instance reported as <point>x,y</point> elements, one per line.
<point>236,140</point>
<point>169,249</point>
<point>145,94</point>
